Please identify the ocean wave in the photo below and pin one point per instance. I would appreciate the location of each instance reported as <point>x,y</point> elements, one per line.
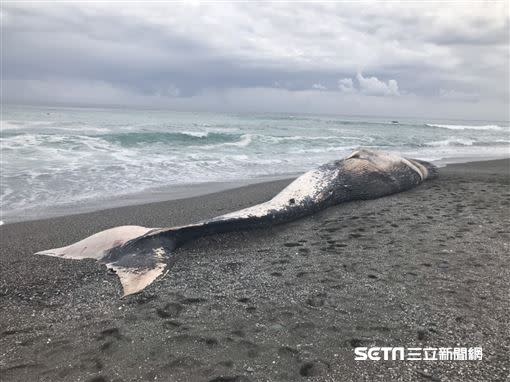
<point>273,117</point>
<point>466,127</point>
<point>322,150</point>
<point>20,125</point>
<point>90,156</point>
<point>467,142</point>
<point>278,139</point>
<point>11,125</point>
<point>62,142</point>
<point>244,141</point>
<point>198,134</point>
<point>182,138</point>
<point>16,127</point>
<point>451,142</point>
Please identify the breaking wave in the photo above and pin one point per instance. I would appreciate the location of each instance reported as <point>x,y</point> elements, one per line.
<point>76,156</point>
<point>466,127</point>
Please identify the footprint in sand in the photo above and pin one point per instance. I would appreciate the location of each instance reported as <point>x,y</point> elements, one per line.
<point>171,309</point>
<point>314,368</point>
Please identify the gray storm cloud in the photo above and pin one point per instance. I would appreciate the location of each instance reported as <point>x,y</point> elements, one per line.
<point>382,58</point>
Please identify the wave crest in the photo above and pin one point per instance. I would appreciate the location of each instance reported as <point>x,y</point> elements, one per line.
<point>182,138</point>
<point>451,142</point>
<point>465,127</point>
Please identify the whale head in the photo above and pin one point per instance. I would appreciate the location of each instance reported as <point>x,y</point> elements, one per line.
<point>386,161</point>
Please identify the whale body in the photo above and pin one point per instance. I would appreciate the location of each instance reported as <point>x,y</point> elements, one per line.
<point>139,255</point>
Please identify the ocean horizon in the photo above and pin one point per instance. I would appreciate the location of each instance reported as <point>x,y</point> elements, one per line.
<point>63,160</point>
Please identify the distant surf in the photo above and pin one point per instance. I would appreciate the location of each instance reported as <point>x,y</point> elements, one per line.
<point>467,127</point>
<point>72,157</point>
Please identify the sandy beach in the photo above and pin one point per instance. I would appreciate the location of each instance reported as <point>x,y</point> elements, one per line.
<point>425,268</point>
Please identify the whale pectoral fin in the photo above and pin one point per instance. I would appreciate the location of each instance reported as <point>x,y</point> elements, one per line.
<point>354,154</point>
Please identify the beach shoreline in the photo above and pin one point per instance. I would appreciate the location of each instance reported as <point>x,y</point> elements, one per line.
<point>172,193</point>
<point>149,196</point>
<point>423,268</point>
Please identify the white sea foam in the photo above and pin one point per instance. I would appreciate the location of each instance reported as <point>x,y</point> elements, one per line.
<point>11,125</point>
<point>46,126</point>
<point>466,127</point>
<point>19,125</point>
<point>245,140</point>
<point>321,150</point>
<point>452,142</point>
<point>301,138</point>
<point>197,134</point>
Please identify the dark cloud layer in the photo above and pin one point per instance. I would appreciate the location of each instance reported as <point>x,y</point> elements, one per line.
<point>444,60</point>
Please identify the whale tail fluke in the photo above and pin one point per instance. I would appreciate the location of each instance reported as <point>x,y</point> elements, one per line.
<point>132,252</point>
<point>140,261</point>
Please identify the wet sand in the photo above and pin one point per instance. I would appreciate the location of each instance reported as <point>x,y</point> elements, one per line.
<point>427,267</point>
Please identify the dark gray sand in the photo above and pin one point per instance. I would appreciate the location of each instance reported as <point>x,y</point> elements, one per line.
<point>428,267</point>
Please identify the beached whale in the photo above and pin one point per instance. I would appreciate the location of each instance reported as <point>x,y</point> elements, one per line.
<point>138,255</point>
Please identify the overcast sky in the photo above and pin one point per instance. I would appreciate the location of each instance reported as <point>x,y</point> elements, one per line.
<point>418,59</point>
